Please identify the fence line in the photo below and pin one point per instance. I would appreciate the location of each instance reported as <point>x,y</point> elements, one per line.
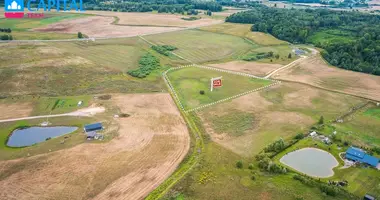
<point>167,81</point>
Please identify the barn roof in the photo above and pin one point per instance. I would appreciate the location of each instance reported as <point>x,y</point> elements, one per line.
<point>357,154</point>
<point>92,127</point>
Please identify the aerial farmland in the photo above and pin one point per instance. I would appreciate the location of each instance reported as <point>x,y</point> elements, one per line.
<point>188,100</point>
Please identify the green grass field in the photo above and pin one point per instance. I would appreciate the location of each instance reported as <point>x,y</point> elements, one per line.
<point>188,82</point>
<point>244,31</point>
<point>21,28</point>
<point>202,46</point>
<point>216,177</point>
<point>74,68</point>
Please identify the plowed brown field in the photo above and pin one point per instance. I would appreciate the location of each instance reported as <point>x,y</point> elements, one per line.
<point>150,145</point>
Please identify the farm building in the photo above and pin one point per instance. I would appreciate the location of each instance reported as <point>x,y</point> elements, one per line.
<point>359,155</point>
<point>93,127</point>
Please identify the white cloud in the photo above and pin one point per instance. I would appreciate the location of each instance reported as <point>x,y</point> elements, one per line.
<point>9,6</point>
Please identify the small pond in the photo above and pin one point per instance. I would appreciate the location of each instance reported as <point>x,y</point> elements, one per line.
<point>29,136</point>
<point>311,161</point>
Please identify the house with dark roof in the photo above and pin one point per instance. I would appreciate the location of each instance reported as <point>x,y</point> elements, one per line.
<point>93,127</point>
<point>359,155</point>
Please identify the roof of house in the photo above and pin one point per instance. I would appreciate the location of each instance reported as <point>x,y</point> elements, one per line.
<point>95,126</point>
<point>369,197</point>
<point>357,154</point>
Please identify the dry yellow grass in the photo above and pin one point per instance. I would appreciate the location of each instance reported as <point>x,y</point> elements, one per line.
<point>150,145</point>
<point>255,68</point>
<point>315,71</point>
<point>15,110</point>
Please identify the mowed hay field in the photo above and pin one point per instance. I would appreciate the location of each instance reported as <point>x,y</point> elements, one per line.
<point>202,46</point>
<point>73,68</point>
<point>188,82</point>
<point>150,145</point>
<point>249,123</point>
<point>100,26</point>
<point>244,30</point>
<point>255,68</point>
<point>316,72</point>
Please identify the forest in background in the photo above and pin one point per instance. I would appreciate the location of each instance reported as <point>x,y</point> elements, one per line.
<point>351,40</point>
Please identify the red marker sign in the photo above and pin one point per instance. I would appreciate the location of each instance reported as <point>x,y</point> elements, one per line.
<point>217,83</point>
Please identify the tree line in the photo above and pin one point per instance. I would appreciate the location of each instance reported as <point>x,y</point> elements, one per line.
<point>162,6</point>
<point>354,42</point>
<point>6,30</point>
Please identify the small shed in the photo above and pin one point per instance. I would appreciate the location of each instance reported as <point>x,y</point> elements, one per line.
<point>93,127</point>
<point>312,134</point>
<point>368,197</point>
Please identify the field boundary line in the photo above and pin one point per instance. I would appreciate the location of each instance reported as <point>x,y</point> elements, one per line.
<point>167,81</point>
<point>284,67</point>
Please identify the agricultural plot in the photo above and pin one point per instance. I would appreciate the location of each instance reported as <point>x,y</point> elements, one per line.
<point>73,68</point>
<point>244,30</point>
<point>316,72</point>
<point>21,28</point>
<point>255,68</point>
<point>361,128</point>
<point>281,111</point>
<point>201,46</point>
<point>189,82</point>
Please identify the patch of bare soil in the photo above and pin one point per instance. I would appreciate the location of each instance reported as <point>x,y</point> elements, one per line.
<point>151,19</point>
<point>255,68</point>
<point>13,110</point>
<point>315,71</point>
<point>151,143</point>
<point>100,26</point>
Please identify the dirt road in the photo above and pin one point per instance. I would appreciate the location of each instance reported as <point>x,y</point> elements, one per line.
<point>85,112</point>
<point>151,144</point>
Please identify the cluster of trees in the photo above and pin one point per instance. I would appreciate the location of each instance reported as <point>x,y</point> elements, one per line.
<point>276,146</point>
<point>6,30</point>
<point>258,56</point>
<point>355,43</point>
<point>6,37</point>
<point>164,49</point>
<point>162,6</point>
<point>266,164</point>
<point>147,64</point>
<point>330,190</point>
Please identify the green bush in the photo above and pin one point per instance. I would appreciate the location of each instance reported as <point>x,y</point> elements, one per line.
<point>147,64</point>
<point>164,49</point>
<point>299,136</point>
<point>239,164</point>
<point>250,166</point>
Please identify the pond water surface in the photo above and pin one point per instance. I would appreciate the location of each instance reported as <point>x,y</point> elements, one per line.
<point>311,161</point>
<point>33,135</point>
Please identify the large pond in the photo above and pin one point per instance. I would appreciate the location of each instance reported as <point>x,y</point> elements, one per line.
<point>29,136</point>
<point>311,161</point>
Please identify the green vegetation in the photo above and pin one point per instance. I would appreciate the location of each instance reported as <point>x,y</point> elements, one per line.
<point>257,56</point>
<point>361,180</point>
<point>356,46</point>
<point>166,6</point>
<point>164,49</point>
<point>187,82</point>
<point>233,125</point>
<point>147,64</point>
<point>190,18</point>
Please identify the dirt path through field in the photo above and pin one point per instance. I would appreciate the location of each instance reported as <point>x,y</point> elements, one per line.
<point>151,144</point>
